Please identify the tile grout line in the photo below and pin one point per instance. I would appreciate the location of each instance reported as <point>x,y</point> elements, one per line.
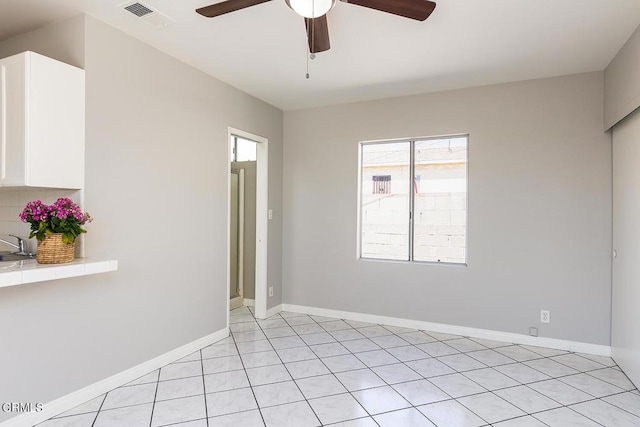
<point>155,396</point>
<point>204,389</point>
<point>100,408</point>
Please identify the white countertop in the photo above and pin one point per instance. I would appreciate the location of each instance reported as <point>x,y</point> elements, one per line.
<point>29,271</point>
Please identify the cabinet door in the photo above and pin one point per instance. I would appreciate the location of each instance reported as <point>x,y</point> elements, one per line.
<point>55,113</point>
<point>12,120</point>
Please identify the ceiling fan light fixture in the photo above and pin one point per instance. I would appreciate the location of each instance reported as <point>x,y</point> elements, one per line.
<point>311,8</point>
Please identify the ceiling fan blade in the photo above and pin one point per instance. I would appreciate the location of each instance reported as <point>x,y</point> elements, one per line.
<point>414,9</point>
<point>317,34</point>
<point>227,6</point>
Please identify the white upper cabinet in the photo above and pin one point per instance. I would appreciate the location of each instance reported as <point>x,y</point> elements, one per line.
<point>41,123</point>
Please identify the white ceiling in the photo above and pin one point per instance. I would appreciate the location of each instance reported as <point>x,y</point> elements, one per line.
<point>262,49</point>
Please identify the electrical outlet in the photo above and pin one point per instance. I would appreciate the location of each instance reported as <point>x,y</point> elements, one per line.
<point>270,213</point>
<point>545,316</point>
<point>533,331</point>
<point>270,291</point>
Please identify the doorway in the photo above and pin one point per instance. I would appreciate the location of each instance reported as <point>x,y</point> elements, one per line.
<point>248,221</point>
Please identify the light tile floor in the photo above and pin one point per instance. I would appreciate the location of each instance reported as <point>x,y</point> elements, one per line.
<point>298,370</point>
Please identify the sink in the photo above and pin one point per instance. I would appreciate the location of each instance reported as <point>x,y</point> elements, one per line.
<point>4,257</point>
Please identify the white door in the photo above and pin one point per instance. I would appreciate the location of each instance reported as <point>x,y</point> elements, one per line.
<point>625,331</point>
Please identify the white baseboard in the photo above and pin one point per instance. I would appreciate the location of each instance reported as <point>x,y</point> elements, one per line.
<point>274,310</point>
<point>575,346</point>
<point>249,302</point>
<point>71,400</point>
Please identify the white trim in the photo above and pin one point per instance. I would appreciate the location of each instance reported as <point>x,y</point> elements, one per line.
<point>359,207</point>
<point>249,302</point>
<point>241,235</point>
<point>71,400</point>
<point>580,347</point>
<point>228,266</point>
<point>262,217</point>
<point>262,226</point>
<point>273,311</point>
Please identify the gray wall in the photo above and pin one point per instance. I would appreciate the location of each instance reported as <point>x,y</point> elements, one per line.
<point>249,226</point>
<point>539,209</point>
<point>622,82</point>
<point>156,184</point>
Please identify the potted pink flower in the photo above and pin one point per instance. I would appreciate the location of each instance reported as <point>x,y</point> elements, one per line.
<point>56,228</point>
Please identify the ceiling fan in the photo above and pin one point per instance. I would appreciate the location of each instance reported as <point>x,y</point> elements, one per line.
<point>314,13</point>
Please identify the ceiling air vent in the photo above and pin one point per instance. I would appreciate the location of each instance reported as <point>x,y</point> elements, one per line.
<point>138,9</point>
<point>147,14</point>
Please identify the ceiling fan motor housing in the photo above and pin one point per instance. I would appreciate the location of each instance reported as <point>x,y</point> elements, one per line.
<point>311,8</point>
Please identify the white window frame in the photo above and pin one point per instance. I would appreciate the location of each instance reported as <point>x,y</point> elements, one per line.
<point>411,218</point>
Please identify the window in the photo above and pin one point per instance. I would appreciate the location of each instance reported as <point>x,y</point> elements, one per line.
<point>243,150</point>
<point>423,218</point>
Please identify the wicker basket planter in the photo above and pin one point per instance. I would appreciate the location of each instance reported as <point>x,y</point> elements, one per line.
<point>52,250</point>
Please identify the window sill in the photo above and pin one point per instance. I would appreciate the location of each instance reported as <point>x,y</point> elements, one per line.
<point>400,261</point>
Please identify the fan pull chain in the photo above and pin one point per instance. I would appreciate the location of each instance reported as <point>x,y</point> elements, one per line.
<point>307,75</point>
<point>307,55</point>
<point>312,23</point>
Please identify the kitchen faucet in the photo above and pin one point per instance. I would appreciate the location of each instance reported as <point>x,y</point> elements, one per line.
<point>20,246</point>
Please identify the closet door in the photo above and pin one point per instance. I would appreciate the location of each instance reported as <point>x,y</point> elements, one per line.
<point>625,339</point>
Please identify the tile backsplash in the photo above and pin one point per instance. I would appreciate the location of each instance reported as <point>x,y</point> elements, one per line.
<point>13,200</point>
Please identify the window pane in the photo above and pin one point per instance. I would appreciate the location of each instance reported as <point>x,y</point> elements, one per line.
<point>440,200</point>
<point>247,150</point>
<point>385,201</point>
